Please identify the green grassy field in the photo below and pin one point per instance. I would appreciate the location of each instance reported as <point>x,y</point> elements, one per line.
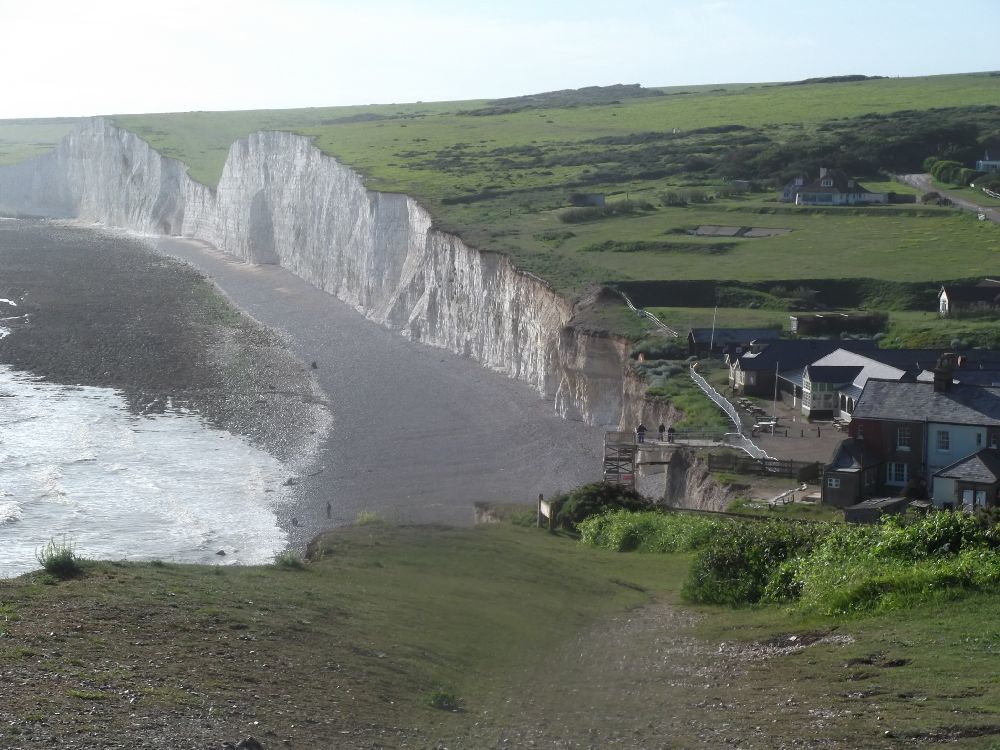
<point>523,629</point>
<point>22,139</point>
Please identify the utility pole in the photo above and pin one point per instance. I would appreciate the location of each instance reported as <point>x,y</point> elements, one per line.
<point>774,406</point>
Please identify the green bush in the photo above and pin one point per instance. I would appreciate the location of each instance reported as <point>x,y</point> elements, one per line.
<point>59,559</point>
<point>893,564</point>
<point>736,567</point>
<point>289,560</point>
<point>443,700</point>
<point>593,499</point>
<point>650,531</point>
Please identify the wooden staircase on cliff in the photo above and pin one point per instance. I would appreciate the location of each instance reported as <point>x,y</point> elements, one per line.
<point>620,451</point>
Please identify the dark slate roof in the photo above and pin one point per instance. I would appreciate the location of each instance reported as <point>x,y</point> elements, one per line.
<point>833,373</point>
<point>791,354</point>
<point>852,455</point>
<point>981,468</point>
<point>917,401</point>
<point>840,184</point>
<point>881,503</point>
<point>724,336</point>
<point>971,293</point>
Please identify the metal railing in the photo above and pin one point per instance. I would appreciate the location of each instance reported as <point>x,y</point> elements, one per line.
<point>649,316</point>
<point>737,439</point>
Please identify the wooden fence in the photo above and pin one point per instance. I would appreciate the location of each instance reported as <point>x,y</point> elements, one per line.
<point>777,467</point>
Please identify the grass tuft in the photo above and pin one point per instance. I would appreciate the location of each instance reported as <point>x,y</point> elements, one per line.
<point>59,559</point>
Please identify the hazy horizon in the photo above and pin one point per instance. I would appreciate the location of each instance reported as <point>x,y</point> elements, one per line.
<point>116,57</point>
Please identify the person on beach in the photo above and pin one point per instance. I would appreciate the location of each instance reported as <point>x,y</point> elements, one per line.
<point>329,509</point>
<point>640,433</point>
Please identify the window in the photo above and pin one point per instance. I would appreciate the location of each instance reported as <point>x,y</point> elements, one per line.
<point>943,441</point>
<point>903,438</point>
<point>979,439</point>
<point>827,183</point>
<point>896,473</point>
<point>860,431</point>
<point>833,483</point>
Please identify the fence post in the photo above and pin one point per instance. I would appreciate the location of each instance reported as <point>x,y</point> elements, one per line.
<point>538,512</point>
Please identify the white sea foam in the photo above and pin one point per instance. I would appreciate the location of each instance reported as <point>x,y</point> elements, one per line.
<point>9,512</point>
<point>75,462</point>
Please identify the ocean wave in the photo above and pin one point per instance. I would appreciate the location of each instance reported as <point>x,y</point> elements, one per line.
<point>10,511</point>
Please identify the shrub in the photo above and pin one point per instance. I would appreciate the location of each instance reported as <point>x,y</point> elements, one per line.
<point>289,560</point>
<point>649,531</point>
<point>735,567</point>
<point>443,700</point>
<point>368,517</point>
<point>59,559</point>
<point>593,499</point>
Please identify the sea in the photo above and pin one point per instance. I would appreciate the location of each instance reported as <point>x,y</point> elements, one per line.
<point>78,467</point>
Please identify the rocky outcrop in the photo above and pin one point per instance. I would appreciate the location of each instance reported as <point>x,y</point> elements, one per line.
<point>688,484</point>
<point>280,200</point>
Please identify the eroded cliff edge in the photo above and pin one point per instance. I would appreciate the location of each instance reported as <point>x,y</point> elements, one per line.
<point>280,200</point>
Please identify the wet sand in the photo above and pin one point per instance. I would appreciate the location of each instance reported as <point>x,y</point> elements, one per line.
<point>419,434</point>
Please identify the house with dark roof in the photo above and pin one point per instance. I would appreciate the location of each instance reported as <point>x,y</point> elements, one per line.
<point>990,161</point>
<point>826,391</point>
<point>852,475</point>
<point>736,340</point>
<point>964,297</point>
<point>831,188</point>
<point>780,362</point>
<point>969,483</point>
<point>917,432</point>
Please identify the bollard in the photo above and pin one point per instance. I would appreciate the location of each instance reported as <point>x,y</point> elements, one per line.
<point>802,433</point>
<point>538,514</point>
<point>817,432</point>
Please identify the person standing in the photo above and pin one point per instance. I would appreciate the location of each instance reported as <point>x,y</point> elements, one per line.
<point>640,433</point>
<point>661,429</point>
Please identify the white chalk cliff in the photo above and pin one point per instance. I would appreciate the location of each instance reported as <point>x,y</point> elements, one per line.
<point>280,200</point>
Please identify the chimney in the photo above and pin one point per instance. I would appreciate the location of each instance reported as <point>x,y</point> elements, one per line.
<point>822,172</point>
<point>943,372</point>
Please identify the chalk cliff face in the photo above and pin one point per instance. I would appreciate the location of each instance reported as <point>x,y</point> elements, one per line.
<point>280,200</point>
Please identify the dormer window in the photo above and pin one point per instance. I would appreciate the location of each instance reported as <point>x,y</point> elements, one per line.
<point>827,183</point>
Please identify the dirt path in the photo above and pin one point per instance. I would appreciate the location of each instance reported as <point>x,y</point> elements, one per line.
<point>923,182</point>
<point>643,679</point>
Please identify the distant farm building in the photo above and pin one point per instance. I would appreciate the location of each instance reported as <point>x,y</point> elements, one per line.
<point>703,341</point>
<point>953,298</point>
<point>836,323</point>
<point>990,161</point>
<point>831,188</point>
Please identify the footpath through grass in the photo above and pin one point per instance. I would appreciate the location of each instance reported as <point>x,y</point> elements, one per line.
<point>523,631</point>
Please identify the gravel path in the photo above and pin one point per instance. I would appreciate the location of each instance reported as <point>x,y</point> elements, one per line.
<point>923,182</point>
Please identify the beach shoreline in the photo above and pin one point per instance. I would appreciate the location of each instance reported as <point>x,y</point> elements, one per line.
<point>366,420</point>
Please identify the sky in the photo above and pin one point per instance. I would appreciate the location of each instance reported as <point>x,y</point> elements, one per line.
<point>128,56</point>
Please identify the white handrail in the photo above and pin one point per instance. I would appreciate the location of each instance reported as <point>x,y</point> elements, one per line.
<point>737,439</point>
<point>649,316</point>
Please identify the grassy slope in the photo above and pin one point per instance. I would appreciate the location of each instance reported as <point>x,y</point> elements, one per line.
<point>353,646</point>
